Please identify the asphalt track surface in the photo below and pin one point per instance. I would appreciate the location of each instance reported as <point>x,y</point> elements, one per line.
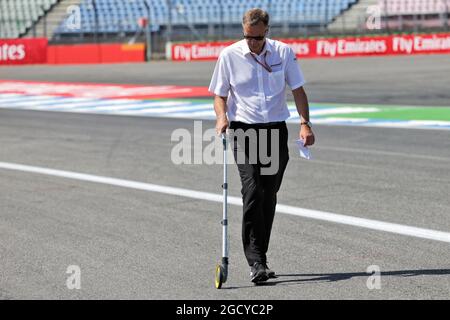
<point>414,80</point>
<point>133,244</point>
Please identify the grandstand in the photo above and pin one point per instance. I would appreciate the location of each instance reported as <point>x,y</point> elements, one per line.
<point>416,7</point>
<point>215,19</point>
<point>401,14</point>
<point>18,16</point>
<point>114,16</point>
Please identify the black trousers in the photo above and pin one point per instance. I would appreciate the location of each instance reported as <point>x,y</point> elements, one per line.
<point>260,180</point>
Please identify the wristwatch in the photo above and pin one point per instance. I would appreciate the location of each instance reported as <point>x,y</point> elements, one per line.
<point>306,123</point>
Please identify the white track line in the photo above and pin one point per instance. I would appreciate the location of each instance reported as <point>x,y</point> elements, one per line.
<point>305,213</point>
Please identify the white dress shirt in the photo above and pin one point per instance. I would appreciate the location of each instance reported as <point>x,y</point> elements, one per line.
<point>254,94</point>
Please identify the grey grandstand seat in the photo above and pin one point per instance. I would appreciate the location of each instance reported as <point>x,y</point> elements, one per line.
<point>18,15</point>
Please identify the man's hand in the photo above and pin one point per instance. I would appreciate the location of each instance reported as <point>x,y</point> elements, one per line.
<point>306,135</point>
<point>221,124</point>
<point>220,107</point>
<point>301,102</point>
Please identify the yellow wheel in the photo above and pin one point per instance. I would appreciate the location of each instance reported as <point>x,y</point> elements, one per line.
<point>219,276</point>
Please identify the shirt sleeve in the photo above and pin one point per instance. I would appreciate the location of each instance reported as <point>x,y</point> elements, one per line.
<point>294,75</point>
<point>220,83</point>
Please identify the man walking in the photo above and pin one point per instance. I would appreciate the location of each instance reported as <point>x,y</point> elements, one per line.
<point>249,83</point>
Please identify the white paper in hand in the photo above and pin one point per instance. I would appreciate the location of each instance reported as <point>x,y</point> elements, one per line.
<point>304,151</point>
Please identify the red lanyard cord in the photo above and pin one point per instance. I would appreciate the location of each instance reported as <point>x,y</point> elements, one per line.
<point>264,65</point>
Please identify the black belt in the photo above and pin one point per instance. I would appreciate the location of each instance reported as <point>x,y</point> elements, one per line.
<point>258,125</point>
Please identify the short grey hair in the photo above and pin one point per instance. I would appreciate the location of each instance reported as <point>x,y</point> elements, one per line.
<point>253,16</point>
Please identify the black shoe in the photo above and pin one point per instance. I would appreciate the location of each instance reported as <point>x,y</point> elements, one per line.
<point>258,273</point>
<point>270,273</point>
